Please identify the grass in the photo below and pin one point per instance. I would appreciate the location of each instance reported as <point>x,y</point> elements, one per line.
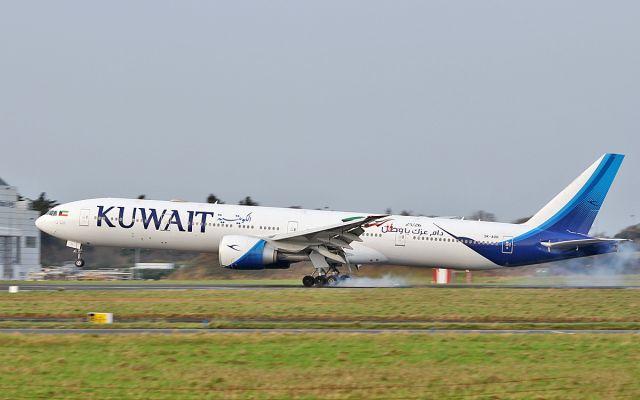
<point>313,305</point>
<point>320,366</point>
<point>235,324</point>
<point>570,280</point>
<point>324,365</point>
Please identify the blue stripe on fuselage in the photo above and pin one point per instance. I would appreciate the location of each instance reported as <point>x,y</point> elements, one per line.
<point>530,250</point>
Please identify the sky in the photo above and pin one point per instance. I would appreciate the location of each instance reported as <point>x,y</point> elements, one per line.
<point>437,107</point>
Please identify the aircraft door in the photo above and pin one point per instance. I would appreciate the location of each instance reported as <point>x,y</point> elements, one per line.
<point>84,217</point>
<point>292,226</point>
<point>507,244</point>
<point>401,237</point>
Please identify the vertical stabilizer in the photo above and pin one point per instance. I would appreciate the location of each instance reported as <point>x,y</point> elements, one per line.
<point>576,207</point>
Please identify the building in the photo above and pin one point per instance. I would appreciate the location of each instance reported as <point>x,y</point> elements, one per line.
<point>19,237</point>
<point>152,270</point>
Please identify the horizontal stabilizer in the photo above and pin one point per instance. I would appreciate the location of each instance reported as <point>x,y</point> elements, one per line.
<point>574,244</point>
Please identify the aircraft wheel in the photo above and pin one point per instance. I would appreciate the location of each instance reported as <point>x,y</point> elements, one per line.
<point>331,280</point>
<point>321,280</point>
<point>79,263</point>
<point>344,277</point>
<point>308,281</point>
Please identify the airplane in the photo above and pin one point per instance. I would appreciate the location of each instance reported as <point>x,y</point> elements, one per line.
<point>256,238</point>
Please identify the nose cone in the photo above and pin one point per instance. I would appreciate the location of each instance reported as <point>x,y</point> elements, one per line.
<point>41,223</point>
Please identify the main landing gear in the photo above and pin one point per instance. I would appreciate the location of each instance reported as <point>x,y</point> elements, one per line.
<point>322,277</point>
<point>308,281</point>
<point>323,280</point>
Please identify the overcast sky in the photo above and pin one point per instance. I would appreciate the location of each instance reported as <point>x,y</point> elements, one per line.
<point>438,107</point>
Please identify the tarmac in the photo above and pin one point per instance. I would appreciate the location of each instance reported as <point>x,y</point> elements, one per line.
<point>118,331</point>
<point>179,286</point>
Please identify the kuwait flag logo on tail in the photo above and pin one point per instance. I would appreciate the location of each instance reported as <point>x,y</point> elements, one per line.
<point>63,213</point>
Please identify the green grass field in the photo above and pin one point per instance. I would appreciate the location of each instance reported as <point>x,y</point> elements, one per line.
<point>419,305</point>
<point>393,365</point>
<point>320,366</point>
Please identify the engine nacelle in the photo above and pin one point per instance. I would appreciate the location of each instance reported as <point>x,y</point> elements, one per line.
<point>245,252</point>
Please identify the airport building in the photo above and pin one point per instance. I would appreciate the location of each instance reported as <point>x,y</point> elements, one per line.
<point>19,237</point>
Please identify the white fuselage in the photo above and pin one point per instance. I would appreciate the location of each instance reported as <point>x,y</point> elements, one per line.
<point>262,237</point>
<point>402,240</point>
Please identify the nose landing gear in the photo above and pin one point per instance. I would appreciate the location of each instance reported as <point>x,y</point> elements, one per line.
<point>79,261</point>
<point>77,248</point>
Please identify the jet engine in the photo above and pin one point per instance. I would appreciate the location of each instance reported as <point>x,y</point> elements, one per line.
<point>245,252</point>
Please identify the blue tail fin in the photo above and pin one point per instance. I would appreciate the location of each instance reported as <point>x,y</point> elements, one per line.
<point>576,207</point>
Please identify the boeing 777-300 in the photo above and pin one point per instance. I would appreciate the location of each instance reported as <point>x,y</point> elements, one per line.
<point>253,238</point>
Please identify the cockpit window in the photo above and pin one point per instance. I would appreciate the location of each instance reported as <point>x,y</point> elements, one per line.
<point>53,213</point>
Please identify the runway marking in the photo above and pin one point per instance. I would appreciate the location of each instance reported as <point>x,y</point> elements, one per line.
<point>129,331</point>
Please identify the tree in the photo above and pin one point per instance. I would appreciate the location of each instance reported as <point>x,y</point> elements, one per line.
<point>521,220</point>
<point>213,199</point>
<point>482,215</point>
<point>42,204</point>
<point>247,201</point>
<point>406,213</point>
<point>142,197</point>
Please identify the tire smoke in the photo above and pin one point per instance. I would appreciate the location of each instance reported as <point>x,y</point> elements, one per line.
<point>605,270</point>
<point>364,282</point>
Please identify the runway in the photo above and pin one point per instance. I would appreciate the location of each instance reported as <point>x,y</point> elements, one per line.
<point>100,331</point>
<point>231,286</point>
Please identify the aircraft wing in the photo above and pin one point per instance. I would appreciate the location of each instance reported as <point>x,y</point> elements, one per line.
<point>574,244</point>
<point>347,224</point>
<point>326,243</point>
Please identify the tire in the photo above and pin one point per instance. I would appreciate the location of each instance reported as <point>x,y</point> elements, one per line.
<point>331,280</point>
<point>79,263</point>
<point>308,281</point>
<point>320,280</point>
